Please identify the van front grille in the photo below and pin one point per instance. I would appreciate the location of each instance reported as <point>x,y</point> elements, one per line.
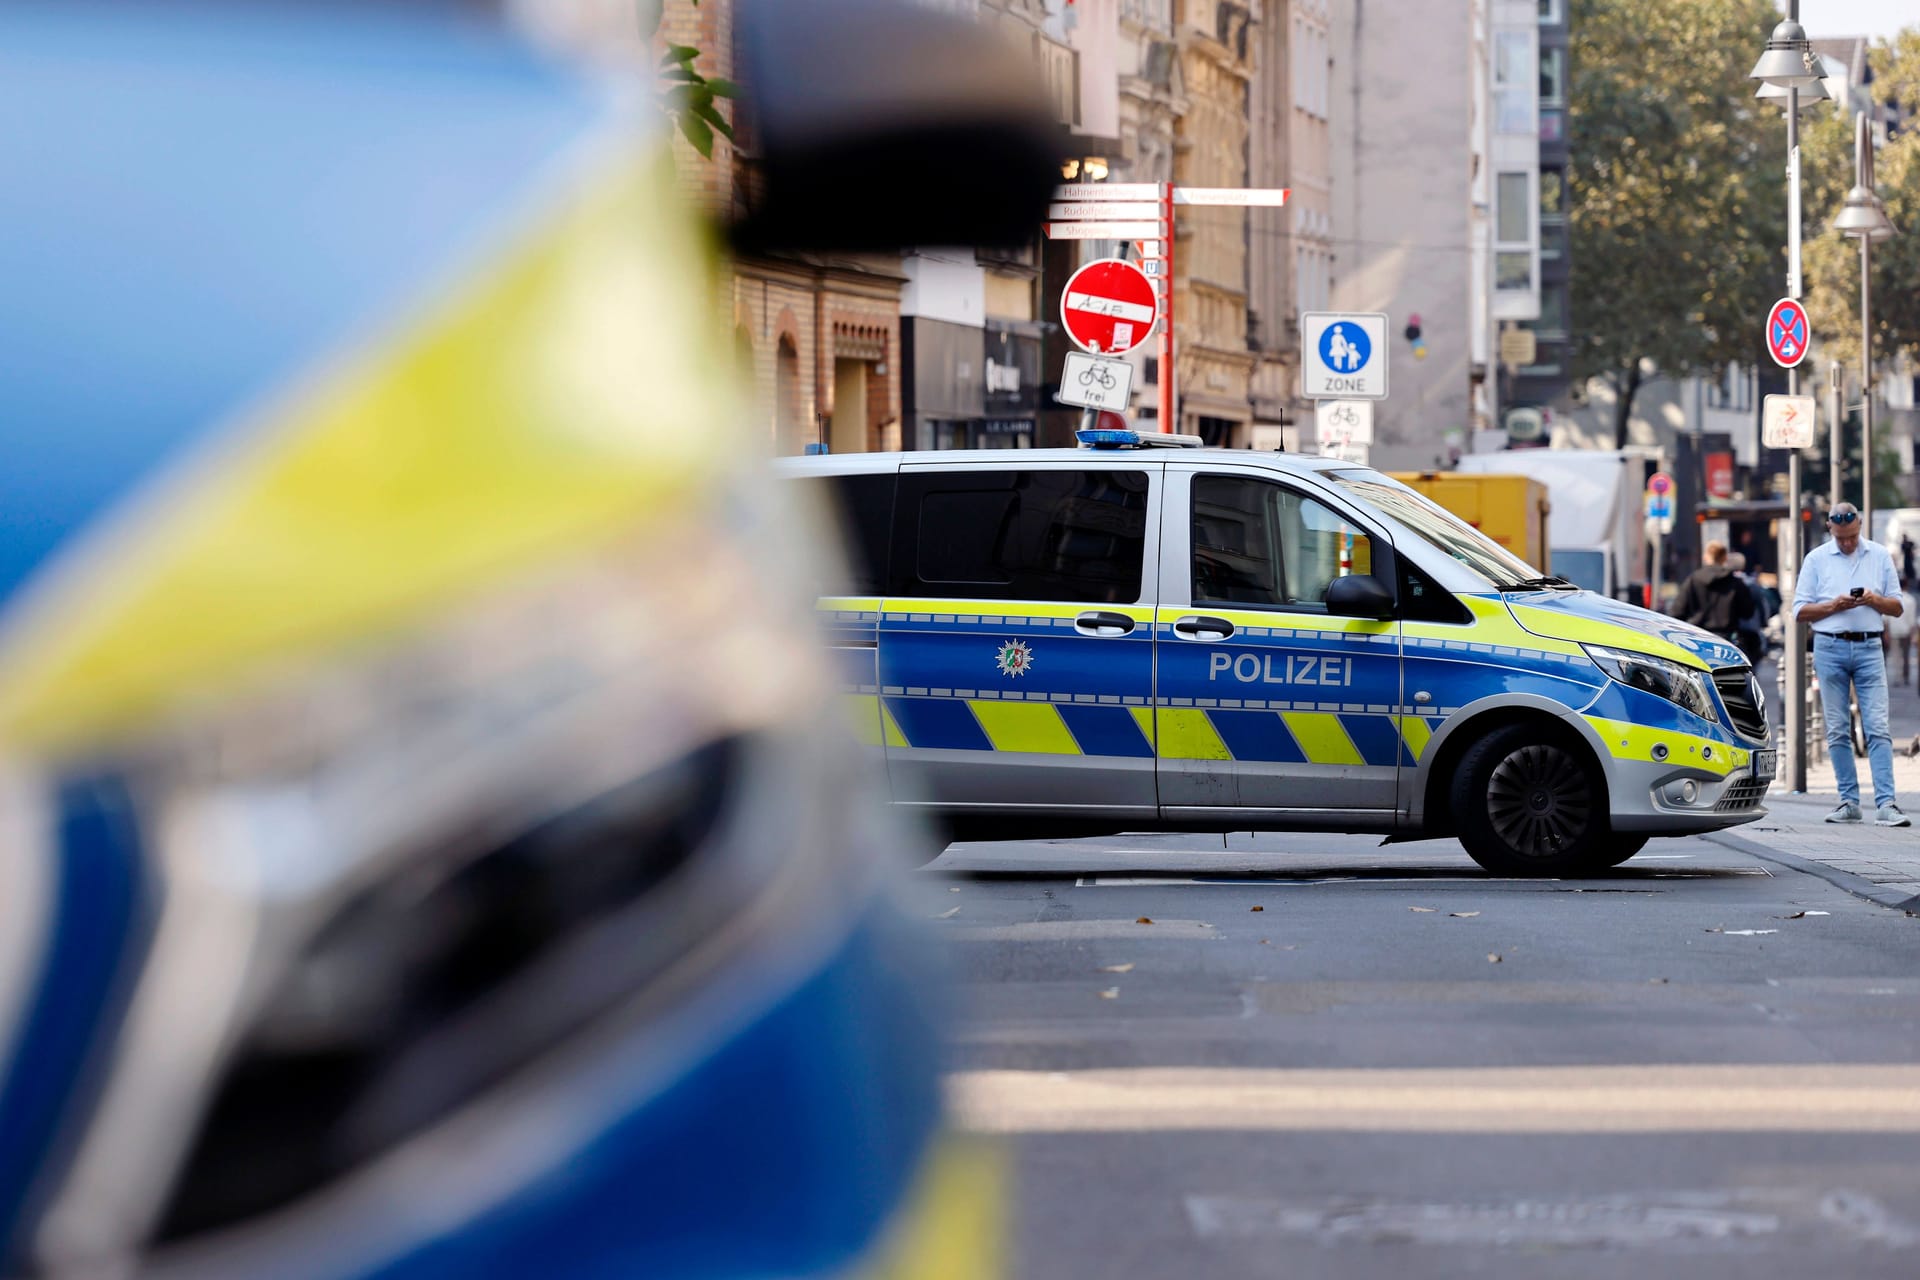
<point>1741,796</point>
<point>1746,708</point>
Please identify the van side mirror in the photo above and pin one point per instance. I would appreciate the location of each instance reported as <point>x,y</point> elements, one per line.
<point>1359,595</point>
<point>878,125</point>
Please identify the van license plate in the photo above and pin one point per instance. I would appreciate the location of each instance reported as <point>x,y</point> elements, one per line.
<point>1764,764</point>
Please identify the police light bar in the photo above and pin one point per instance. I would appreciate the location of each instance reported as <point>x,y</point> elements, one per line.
<point>1116,438</point>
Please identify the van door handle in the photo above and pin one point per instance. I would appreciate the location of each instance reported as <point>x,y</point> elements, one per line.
<point>1096,622</point>
<point>1202,627</point>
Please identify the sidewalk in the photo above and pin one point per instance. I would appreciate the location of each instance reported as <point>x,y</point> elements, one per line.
<point>1881,864</point>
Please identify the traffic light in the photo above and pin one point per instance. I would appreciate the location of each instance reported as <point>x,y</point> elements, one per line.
<point>1413,336</point>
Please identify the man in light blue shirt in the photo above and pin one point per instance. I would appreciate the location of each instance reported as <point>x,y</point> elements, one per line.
<point>1847,590</point>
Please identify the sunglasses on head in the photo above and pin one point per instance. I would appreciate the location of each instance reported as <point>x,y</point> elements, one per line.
<point>1845,517</point>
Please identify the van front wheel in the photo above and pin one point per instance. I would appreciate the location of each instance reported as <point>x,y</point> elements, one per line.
<point>1528,803</point>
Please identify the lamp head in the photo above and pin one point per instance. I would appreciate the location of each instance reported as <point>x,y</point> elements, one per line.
<point>1788,60</point>
<point>1863,215</point>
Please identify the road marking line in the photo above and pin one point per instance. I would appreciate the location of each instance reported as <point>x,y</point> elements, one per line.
<point>1580,1099</point>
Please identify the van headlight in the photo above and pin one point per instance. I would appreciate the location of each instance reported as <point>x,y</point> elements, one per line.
<point>1657,676</point>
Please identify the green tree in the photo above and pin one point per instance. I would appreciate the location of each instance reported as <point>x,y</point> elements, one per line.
<point>1678,193</point>
<point>1832,261</point>
<point>687,95</point>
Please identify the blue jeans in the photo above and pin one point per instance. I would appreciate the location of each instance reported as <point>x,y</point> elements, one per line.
<point>1857,662</point>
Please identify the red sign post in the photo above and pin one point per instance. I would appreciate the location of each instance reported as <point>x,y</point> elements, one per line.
<point>1108,307</point>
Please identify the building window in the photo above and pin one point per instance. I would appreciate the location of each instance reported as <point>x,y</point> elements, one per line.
<point>1514,198</point>
<point>1732,390</point>
<point>1513,271</point>
<point>1553,195</point>
<point>1514,84</point>
<point>1553,313</point>
<point>1549,12</point>
<point>1553,75</point>
<point>1553,126</point>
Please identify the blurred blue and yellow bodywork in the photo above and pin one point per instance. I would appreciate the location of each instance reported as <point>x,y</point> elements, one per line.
<point>372,475</point>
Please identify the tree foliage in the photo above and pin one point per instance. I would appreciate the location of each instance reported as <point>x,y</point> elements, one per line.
<point>1677,186</point>
<point>1832,261</point>
<point>687,95</point>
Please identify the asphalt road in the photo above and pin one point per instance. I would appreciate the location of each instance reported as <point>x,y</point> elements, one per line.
<point>1324,1058</point>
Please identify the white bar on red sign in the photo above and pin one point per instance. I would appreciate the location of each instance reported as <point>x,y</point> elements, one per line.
<point>1109,307</point>
<point>1095,209</point>
<point>1101,230</point>
<point>1107,191</point>
<point>1262,197</point>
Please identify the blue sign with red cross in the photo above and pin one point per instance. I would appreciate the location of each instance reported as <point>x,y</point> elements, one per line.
<point>1787,333</point>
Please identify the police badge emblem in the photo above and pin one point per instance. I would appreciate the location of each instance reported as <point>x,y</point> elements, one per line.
<point>1014,658</point>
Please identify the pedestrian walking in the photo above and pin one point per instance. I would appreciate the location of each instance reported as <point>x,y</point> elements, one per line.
<point>1752,628</point>
<point>1714,598</point>
<point>1847,591</point>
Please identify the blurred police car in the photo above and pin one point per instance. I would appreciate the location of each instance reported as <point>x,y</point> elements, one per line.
<point>421,846</point>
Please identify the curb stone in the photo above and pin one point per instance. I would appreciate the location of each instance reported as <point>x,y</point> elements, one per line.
<point>1858,886</point>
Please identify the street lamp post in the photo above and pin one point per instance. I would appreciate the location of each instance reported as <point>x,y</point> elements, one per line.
<point>1865,218</point>
<point>1789,63</point>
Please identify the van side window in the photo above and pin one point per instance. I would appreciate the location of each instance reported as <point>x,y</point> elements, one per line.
<point>863,508</point>
<point>1424,600</point>
<point>1076,536</point>
<point>1258,544</point>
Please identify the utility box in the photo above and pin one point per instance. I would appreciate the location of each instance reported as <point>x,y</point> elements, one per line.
<point>1512,510</point>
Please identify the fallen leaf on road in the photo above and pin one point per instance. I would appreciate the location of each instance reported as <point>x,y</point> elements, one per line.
<point>1266,942</point>
<point>1111,993</point>
<point>1463,915</point>
<point>1802,915</point>
<point>1256,908</point>
<point>1656,981</point>
<point>948,914</point>
<point>1117,968</point>
<point>1144,920</point>
<point>1493,957</point>
<point>1427,910</point>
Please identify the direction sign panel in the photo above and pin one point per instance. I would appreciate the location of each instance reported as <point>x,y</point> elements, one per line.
<point>1093,383</point>
<point>1787,333</point>
<point>1105,209</point>
<point>1104,230</point>
<point>1108,307</point>
<point>1107,191</point>
<point>1343,355</point>
<point>1786,422</point>
<point>1343,421</point>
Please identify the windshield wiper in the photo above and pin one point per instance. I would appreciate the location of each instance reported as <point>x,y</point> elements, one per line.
<point>1549,580</point>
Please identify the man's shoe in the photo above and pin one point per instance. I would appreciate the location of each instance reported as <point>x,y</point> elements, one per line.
<point>1845,813</point>
<point>1890,816</point>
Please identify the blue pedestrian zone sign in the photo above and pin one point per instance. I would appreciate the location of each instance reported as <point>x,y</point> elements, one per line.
<point>1344,348</point>
<point>1343,355</point>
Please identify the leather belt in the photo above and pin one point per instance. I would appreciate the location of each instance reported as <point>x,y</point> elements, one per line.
<point>1847,635</point>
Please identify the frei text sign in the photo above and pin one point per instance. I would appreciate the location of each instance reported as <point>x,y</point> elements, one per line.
<point>1343,421</point>
<point>1786,422</point>
<point>1787,333</point>
<point>1108,307</point>
<point>1093,383</point>
<point>1343,355</point>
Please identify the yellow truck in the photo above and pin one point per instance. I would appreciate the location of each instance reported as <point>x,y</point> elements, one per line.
<point>1512,510</point>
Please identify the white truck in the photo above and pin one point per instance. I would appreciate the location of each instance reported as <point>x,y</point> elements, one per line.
<point>1598,531</point>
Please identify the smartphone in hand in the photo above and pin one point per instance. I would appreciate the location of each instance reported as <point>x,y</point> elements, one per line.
<point>1857,592</point>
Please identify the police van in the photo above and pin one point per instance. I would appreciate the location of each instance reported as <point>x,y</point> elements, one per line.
<point>1145,634</point>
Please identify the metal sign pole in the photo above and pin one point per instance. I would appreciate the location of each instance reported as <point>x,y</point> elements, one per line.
<point>1866,389</point>
<point>1166,323</point>
<point>1795,657</point>
<point>1836,447</point>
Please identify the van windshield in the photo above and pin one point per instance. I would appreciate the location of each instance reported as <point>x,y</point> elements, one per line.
<point>1440,527</point>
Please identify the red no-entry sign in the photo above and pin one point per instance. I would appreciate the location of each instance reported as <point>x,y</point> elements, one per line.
<point>1108,307</point>
<point>1787,332</point>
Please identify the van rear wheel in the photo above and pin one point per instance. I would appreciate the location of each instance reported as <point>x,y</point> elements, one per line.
<point>1529,803</point>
